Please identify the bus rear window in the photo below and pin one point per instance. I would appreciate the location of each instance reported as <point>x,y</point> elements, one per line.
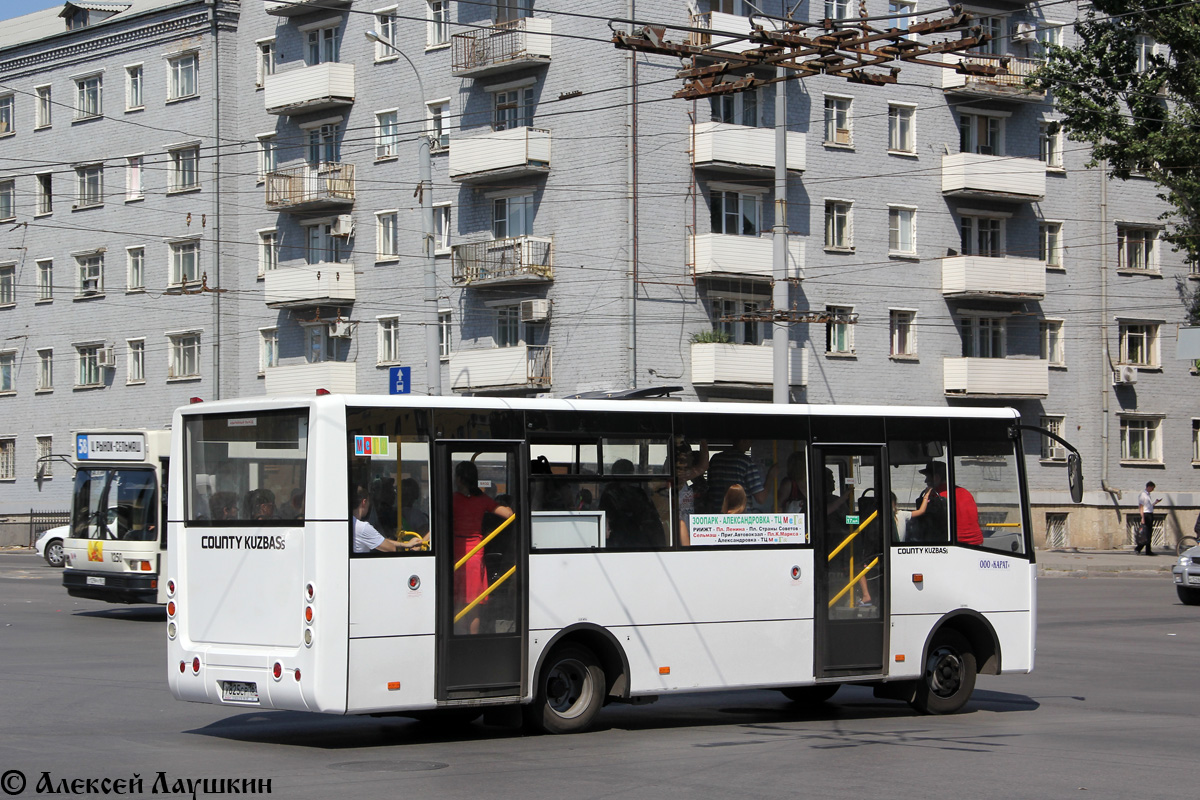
<point>246,469</point>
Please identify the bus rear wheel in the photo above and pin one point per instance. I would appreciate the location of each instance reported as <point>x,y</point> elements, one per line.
<point>949,676</point>
<point>811,695</point>
<point>570,691</point>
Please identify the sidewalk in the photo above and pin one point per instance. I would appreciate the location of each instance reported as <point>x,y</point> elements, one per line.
<point>1074,563</point>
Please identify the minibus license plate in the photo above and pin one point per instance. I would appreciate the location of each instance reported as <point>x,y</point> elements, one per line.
<point>1193,578</point>
<point>239,691</point>
<point>94,581</point>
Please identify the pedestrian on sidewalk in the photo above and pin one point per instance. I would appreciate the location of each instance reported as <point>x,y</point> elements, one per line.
<point>1146,504</point>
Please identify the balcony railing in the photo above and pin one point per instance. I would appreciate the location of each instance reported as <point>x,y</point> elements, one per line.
<point>294,8</point>
<point>501,262</point>
<point>740,148</point>
<point>1011,84</point>
<point>307,187</point>
<point>505,46</point>
<point>307,89</point>
<point>993,177</point>
<point>720,21</point>
<point>339,377</point>
<point>996,377</point>
<point>714,363</point>
<point>309,285</point>
<point>995,277</point>
<point>520,367</point>
<point>499,154</point>
<point>718,255</point>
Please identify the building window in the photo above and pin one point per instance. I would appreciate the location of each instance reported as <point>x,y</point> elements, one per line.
<point>45,107</point>
<point>387,241</point>
<point>385,26</point>
<point>435,123</point>
<point>437,24</point>
<point>734,213</point>
<point>324,45</point>
<point>8,365</point>
<point>736,109</point>
<point>902,231</point>
<point>1052,450</point>
<point>1050,144</point>
<point>1053,344</point>
<point>512,109</point>
<point>135,272</point>
<point>45,280</point>
<point>389,340</point>
<point>1136,248</point>
<point>904,332</point>
<point>387,135</point>
<point>89,274</point>
<point>838,121</point>
<point>441,222</point>
<point>8,285</point>
<point>1146,49</point>
<point>87,358</point>
<point>1140,440</point>
<point>45,379</point>
<point>512,216</point>
<point>8,459</point>
<point>318,346</point>
<point>984,337</point>
<point>89,97</point>
<point>731,316</point>
<point>267,156</point>
<point>511,10</point>
<point>1050,244</point>
<point>982,236</point>
<point>185,262</point>
<point>90,183</point>
<point>839,333</point>
<point>444,333</point>
<point>1139,343</point>
<point>266,62</point>
<point>322,247</point>
<point>901,12</point>
<point>268,348</point>
<point>837,9</point>
<point>268,251</point>
<point>7,115</point>
<point>838,225</point>
<point>135,361</point>
<point>901,135</point>
<point>324,144</point>
<point>45,194</point>
<point>1196,441</point>
<point>134,169</point>
<point>1048,34</point>
<point>185,355</point>
<point>8,200</point>
<point>508,326</point>
<point>980,133</point>
<point>185,169</point>
<point>133,88</point>
<point>992,27</point>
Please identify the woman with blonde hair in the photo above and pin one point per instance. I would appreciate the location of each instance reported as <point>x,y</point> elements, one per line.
<point>735,500</point>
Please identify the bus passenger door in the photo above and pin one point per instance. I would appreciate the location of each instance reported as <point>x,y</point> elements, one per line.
<point>851,524</point>
<point>481,568</point>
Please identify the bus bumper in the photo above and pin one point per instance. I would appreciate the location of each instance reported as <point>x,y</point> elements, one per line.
<point>112,587</point>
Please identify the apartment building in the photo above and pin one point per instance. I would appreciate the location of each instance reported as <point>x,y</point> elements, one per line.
<point>238,214</point>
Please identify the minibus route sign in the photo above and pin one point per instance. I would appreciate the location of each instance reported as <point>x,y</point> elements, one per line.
<point>110,447</point>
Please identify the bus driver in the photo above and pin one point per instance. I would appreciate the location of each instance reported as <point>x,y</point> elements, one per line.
<point>366,538</point>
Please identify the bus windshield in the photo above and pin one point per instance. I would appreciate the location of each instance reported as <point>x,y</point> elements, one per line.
<point>115,503</point>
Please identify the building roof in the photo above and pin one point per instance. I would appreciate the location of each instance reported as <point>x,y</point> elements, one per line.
<point>49,22</point>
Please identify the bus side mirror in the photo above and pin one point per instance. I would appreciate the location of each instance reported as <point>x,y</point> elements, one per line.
<point>41,475</point>
<point>1075,477</point>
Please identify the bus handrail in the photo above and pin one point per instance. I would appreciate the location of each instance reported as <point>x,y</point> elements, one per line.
<point>857,531</point>
<point>486,539</point>
<point>488,590</point>
<point>853,580</point>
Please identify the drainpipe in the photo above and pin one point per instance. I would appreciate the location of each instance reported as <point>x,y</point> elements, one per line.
<point>1105,355</point>
<point>632,211</point>
<point>216,284</point>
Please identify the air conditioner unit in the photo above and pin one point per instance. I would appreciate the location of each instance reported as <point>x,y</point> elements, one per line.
<point>535,310</point>
<point>1125,376</point>
<point>341,330</point>
<point>1024,33</point>
<point>1058,453</point>
<point>106,358</point>
<point>343,225</point>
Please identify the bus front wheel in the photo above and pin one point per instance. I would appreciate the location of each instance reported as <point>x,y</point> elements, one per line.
<point>949,676</point>
<point>570,691</point>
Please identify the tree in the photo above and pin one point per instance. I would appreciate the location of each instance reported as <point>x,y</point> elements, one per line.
<point>1131,89</point>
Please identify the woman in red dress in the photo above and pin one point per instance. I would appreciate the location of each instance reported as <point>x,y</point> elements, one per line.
<point>470,504</point>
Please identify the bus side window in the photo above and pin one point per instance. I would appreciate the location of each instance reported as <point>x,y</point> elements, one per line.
<point>988,498</point>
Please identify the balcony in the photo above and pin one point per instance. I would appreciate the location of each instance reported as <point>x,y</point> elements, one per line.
<point>993,177</point>
<point>525,366</point>
<point>295,8</point>
<point>719,21</point>
<point>311,188</point>
<point>1006,87</point>
<point>503,47</point>
<point>744,364</point>
<point>994,277</point>
<point>719,255</point>
<point>309,285</point>
<point>503,262</point>
<point>996,377</point>
<point>307,89</point>
<point>739,148</point>
<point>500,154</point>
<point>338,377</point>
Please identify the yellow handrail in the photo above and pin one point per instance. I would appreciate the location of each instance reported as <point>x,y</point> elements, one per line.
<point>486,591</point>
<point>1002,525</point>
<point>853,581</point>
<point>857,531</point>
<point>486,539</point>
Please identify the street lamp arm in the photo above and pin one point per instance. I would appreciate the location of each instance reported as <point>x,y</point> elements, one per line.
<point>375,37</point>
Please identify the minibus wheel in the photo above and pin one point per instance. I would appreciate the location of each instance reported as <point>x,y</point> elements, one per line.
<point>570,691</point>
<point>949,676</point>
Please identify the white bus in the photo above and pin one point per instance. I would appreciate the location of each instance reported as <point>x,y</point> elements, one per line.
<point>621,573</point>
<point>116,546</point>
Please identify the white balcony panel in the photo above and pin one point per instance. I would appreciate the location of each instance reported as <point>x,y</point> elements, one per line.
<point>997,177</point>
<point>295,8</point>
<point>744,364</point>
<point>494,154</point>
<point>718,254</point>
<point>505,46</point>
<point>522,366</point>
<point>1011,85</point>
<point>997,377</point>
<point>309,285</point>
<point>740,147</point>
<point>984,276</point>
<point>719,21</point>
<point>338,377</point>
<point>299,91</point>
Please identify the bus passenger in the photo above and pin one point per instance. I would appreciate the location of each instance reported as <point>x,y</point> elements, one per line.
<point>792,496</point>
<point>633,521</point>
<point>294,509</point>
<point>966,523</point>
<point>470,505</point>
<point>366,538</point>
<point>735,500</point>
<point>413,519</point>
<point>690,467</point>
<point>260,504</point>
<point>735,466</point>
<point>223,506</point>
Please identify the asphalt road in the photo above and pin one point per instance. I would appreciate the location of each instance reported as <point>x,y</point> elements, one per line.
<point>1109,712</point>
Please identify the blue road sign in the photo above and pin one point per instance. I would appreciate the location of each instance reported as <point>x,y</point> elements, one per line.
<point>399,380</point>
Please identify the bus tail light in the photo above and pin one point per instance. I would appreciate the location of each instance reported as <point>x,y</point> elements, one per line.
<point>182,667</point>
<point>143,566</point>
<point>171,608</point>
<point>171,631</point>
<point>309,592</point>
<point>170,588</point>
<point>308,637</point>
<point>918,577</point>
<point>194,400</point>
<point>308,614</point>
<point>322,392</point>
<point>196,665</point>
<point>297,676</point>
<point>277,671</point>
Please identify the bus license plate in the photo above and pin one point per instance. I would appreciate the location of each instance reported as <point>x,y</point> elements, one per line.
<point>239,692</point>
<point>1192,579</point>
<point>94,581</point>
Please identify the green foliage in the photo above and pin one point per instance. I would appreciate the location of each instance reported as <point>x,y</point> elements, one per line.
<point>1147,121</point>
<point>711,337</point>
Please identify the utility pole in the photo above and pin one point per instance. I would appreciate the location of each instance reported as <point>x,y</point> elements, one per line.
<point>780,336</point>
